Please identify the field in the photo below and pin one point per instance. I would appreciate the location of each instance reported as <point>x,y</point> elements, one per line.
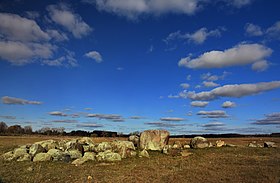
<point>227,164</point>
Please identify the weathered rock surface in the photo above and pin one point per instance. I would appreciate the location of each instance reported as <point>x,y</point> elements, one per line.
<point>186,146</point>
<point>35,149</point>
<point>185,153</point>
<point>177,145</point>
<point>48,144</point>
<point>270,144</point>
<point>135,139</point>
<point>254,144</point>
<point>8,156</point>
<point>88,156</point>
<point>123,148</point>
<point>25,157</point>
<point>144,153</point>
<point>219,143</point>
<point>42,157</point>
<point>103,146</point>
<point>20,152</point>
<point>74,153</point>
<point>199,142</point>
<point>58,155</point>
<point>108,156</point>
<point>154,140</point>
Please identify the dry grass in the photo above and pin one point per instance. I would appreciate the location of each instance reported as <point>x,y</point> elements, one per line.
<point>206,165</point>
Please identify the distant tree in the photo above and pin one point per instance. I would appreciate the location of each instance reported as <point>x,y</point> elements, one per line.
<point>28,130</point>
<point>135,133</point>
<point>3,127</point>
<point>15,129</point>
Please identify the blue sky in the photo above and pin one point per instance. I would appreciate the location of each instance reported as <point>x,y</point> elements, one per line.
<point>188,66</point>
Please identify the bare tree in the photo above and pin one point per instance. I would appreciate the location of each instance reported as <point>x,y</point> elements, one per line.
<point>3,127</point>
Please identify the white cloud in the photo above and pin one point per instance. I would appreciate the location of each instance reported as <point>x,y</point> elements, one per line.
<point>213,114</point>
<point>132,9</point>
<point>271,119</point>
<point>228,104</point>
<point>241,54</point>
<point>213,124</point>
<point>274,31</point>
<point>12,100</point>
<point>56,35</point>
<point>67,60</point>
<point>199,103</point>
<point>253,30</point>
<point>209,84</point>
<point>237,90</point>
<point>17,28</point>
<point>197,37</point>
<point>211,77</point>
<point>94,55</point>
<point>239,3</point>
<point>184,85</point>
<point>57,113</point>
<point>172,119</point>
<point>64,16</point>
<point>260,66</point>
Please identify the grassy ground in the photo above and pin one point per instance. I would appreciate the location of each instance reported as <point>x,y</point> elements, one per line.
<point>240,164</point>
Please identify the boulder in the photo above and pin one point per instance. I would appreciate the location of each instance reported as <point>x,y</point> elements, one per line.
<point>177,145</point>
<point>79,161</point>
<point>88,148</point>
<point>144,153</point>
<point>219,143</point>
<point>88,156</point>
<point>154,139</point>
<point>25,157</point>
<point>270,144</point>
<point>58,155</point>
<point>35,149</point>
<point>108,156</point>
<point>199,142</point>
<point>166,149</point>
<point>185,153</point>
<point>20,152</point>
<point>135,139</point>
<point>42,157</point>
<point>254,144</point>
<point>48,144</point>
<point>74,144</point>
<point>85,141</point>
<point>186,146</point>
<point>103,146</point>
<point>8,156</point>
<point>74,153</point>
<point>123,148</point>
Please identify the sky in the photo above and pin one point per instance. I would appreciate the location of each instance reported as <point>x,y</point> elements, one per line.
<point>187,66</point>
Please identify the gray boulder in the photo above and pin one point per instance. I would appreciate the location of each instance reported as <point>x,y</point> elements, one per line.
<point>48,144</point>
<point>58,155</point>
<point>20,152</point>
<point>270,144</point>
<point>103,146</point>
<point>35,149</point>
<point>88,156</point>
<point>8,156</point>
<point>135,139</point>
<point>124,148</point>
<point>74,153</point>
<point>108,156</point>
<point>199,142</point>
<point>144,153</point>
<point>42,157</point>
<point>154,139</point>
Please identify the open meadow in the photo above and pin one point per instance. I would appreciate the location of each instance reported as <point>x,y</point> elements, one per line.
<point>225,164</point>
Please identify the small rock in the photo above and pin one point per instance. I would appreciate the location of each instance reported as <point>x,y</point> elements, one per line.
<point>25,157</point>
<point>135,139</point>
<point>230,145</point>
<point>30,169</point>
<point>79,161</point>
<point>166,149</point>
<point>185,153</point>
<point>42,157</point>
<point>186,146</point>
<point>108,156</point>
<point>177,145</point>
<point>219,143</point>
<point>144,153</point>
<point>270,144</point>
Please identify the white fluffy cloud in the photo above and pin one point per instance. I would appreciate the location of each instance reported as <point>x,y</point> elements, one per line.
<point>94,55</point>
<point>199,103</point>
<point>12,100</point>
<point>64,16</point>
<point>270,119</point>
<point>239,3</point>
<point>237,90</point>
<point>197,37</point>
<point>274,31</point>
<point>57,113</point>
<point>209,84</point>
<point>184,85</point>
<point>241,54</point>
<point>253,30</point>
<point>271,33</point>
<point>228,104</point>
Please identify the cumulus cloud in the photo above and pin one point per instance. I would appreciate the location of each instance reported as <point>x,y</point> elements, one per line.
<point>17,28</point>
<point>213,114</point>
<point>57,113</point>
<point>199,103</point>
<point>67,60</point>
<point>241,54</point>
<point>237,90</point>
<point>228,104</point>
<point>260,66</point>
<point>274,31</point>
<point>94,55</point>
<point>270,119</point>
<point>172,119</point>
<point>184,85</point>
<point>253,30</point>
<point>12,100</point>
<point>210,84</point>
<point>197,37</point>
<point>212,77</point>
<point>64,16</point>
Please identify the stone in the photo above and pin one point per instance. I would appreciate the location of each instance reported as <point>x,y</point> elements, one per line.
<point>85,141</point>
<point>25,157</point>
<point>88,148</point>
<point>166,149</point>
<point>103,146</point>
<point>88,156</point>
<point>108,156</point>
<point>177,145</point>
<point>144,153</point>
<point>42,157</point>
<point>79,161</point>
<point>219,143</point>
<point>30,169</point>
<point>8,156</point>
<point>48,144</point>
<point>185,153</point>
<point>154,140</point>
<point>124,148</point>
<point>58,155</point>
<point>74,144</point>
<point>199,142</point>
<point>74,154</point>
<point>230,145</point>
<point>270,144</point>
<point>19,152</point>
<point>186,146</point>
<point>35,149</point>
<point>254,144</point>
<point>135,139</point>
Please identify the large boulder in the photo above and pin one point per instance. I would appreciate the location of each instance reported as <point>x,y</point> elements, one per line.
<point>123,148</point>
<point>8,156</point>
<point>58,155</point>
<point>85,141</point>
<point>103,146</point>
<point>88,156</point>
<point>154,139</point>
<point>42,157</point>
<point>35,149</point>
<point>135,139</point>
<point>199,142</point>
<point>74,153</point>
<point>21,152</point>
<point>48,144</point>
<point>108,156</point>
<point>25,157</point>
<point>74,144</point>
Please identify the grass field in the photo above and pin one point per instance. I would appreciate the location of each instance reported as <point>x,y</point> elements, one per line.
<point>240,164</point>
